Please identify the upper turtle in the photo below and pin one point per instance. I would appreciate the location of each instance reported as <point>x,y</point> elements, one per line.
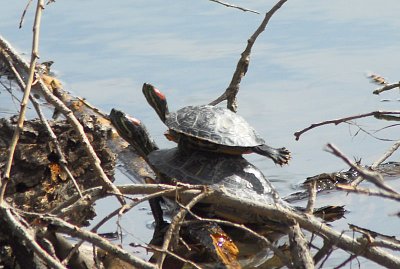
<point>211,128</point>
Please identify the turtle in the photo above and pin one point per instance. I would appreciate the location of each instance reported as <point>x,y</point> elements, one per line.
<point>211,128</point>
<point>233,173</point>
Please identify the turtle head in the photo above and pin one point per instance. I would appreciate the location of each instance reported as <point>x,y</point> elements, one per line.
<point>133,131</point>
<point>156,99</point>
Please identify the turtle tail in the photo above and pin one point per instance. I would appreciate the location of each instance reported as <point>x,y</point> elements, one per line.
<point>280,156</point>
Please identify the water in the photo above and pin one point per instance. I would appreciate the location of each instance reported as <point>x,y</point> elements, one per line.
<point>308,66</point>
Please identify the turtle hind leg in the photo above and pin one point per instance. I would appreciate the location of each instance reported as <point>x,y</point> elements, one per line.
<point>280,156</point>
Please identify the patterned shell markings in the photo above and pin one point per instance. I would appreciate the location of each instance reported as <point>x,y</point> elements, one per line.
<point>238,177</point>
<point>214,124</point>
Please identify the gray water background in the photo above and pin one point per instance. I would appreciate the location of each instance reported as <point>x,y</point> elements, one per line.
<point>309,65</point>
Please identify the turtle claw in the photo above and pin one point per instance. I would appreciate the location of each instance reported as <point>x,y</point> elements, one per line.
<point>280,156</point>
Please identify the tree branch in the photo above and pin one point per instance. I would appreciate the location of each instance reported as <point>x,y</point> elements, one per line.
<point>24,103</point>
<point>345,119</point>
<point>234,6</point>
<point>24,234</point>
<point>65,227</point>
<point>243,64</point>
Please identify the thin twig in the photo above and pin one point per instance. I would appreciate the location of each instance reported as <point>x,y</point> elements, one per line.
<point>345,119</point>
<point>377,239</point>
<point>242,227</point>
<point>324,251</point>
<point>234,6</point>
<point>158,249</point>
<point>375,165</point>
<point>243,64</point>
<point>386,155</point>
<point>174,227</point>
<point>349,259</point>
<point>24,103</point>
<point>26,235</point>
<point>53,137</point>
<point>387,88</point>
<point>379,193</point>
<point>118,211</point>
<point>371,176</point>
<point>23,13</point>
<point>94,159</point>
<point>72,230</point>
<point>60,106</point>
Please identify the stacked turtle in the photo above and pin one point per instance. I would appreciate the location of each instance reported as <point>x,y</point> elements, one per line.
<point>211,141</point>
<point>238,177</point>
<point>211,128</point>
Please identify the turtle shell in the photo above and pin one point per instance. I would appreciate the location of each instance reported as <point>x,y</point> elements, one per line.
<point>214,124</point>
<point>238,177</point>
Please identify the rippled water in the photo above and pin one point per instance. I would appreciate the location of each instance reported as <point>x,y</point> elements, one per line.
<point>308,66</point>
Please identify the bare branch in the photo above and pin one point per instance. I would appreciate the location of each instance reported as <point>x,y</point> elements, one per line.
<point>387,88</point>
<point>175,225</point>
<point>24,103</point>
<point>158,249</point>
<point>309,223</point>
<point>25,234</point>
<point>326,250</point>
<point>234,6</point>
<point>24,12</point>
<point>95,161</point>
<point>65,227</point>
<point>377,239</point>
<point>377,79</point>
<point>386,155</point>
<point>373,177</point>
<point>53,137</point>
<point>345,119</point>
<point>60,106</point>
<point>243,64</point>
<point>379,193</point>
<point>118,211</point>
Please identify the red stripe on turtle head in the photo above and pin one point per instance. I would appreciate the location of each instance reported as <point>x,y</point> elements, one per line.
<point>159,94</point>
<point>134,120</point>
